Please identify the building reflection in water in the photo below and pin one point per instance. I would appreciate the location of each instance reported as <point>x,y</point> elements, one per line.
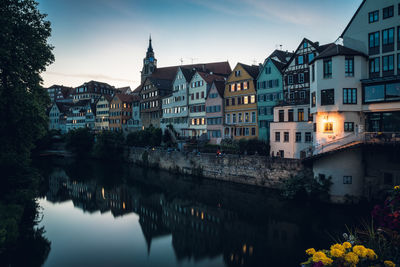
<point>249,227</point>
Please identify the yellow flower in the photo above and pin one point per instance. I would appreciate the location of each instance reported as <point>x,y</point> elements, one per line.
<point>337,252</point>
<point>389,264</point>
<point>326,261</point>
<point>318,256</point>
<point>321,257</point>
<point>360,250</point>
<point>346,245</point>
<point>338,247</point>
<point>397,187</point>
<point>310,251</point>
<point>371,254</point>
<point>351,258</point>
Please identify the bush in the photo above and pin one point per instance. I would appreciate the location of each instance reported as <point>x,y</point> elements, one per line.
<point>148,137</point>
<point>109,145</point>
<point>80,141</point>
<point>304,186</point>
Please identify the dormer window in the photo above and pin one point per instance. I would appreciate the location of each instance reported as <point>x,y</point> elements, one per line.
<point>237,73</point>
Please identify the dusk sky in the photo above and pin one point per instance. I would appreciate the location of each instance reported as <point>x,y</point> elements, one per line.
<point>106,40</point>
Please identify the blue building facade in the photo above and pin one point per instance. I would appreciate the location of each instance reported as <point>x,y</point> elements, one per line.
<point>270,90</point>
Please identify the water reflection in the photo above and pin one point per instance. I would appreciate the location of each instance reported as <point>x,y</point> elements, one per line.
<point>233,224</point>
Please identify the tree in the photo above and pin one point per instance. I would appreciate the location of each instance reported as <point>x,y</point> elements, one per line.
<point>24,54</point>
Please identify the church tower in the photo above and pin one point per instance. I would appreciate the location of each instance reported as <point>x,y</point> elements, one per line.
<point>149,63</point>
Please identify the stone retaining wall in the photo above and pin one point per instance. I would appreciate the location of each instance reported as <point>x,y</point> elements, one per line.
<point>246,169</point>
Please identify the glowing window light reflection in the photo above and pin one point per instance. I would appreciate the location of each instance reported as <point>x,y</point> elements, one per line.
<point>123,205</point>
<point>244,248</point>
<point>102,193</point>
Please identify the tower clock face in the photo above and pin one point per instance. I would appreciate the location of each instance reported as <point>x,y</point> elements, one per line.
<point>151,59</point>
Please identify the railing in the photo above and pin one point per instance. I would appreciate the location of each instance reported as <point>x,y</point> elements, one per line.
<point>365,138</point>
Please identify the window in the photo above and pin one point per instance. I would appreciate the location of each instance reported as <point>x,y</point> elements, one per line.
<point>234,118</point>
<point>349,95</point>
<point>281,115</point>
<point>268,70</point>
<point>328,127</point>
<point>252,99</point>
<point>290,79</point>
<point>232,87</point>
<point>290,115</point>
<point>374,93</point>
<point>305,45</point>
<point>298,137</point>
<point>237,73</point>
<point>227,102</point>
<point>398,61</point>
<point>310,57</point>
<point>286,137</point>
<point>300,60</point>
<point>233,101</point>
<point>246,117</point>
<point>327,68</point>
<point>301,77</point>
<point>388,63</point>
<point>388,12</point>
<point>253,117</point>
<point>313,72</point>
<point>308,137</point>
<point>349,66</point>
<point>349,126</point>
<point>313,99</point>
<point>246,131</point>
<point>253,131</point>
<point>245,100</point>
<point>374,67</point>
<point>388,36</point>
<point>277,136</point>
<point>327,97</point>
<point>238,86</point>
<point>373,43</point>
<point>245,85</point>
<point>240,117</point>
<point>373,16</point>
<point>300,114</point>
<point>347,179</point>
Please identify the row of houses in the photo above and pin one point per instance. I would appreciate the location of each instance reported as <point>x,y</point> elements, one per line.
<point>95,105</point>
<point>321,102</point>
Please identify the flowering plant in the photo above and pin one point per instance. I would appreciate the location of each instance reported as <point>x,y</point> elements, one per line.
<point>388,215</point>
<point>344,254</point>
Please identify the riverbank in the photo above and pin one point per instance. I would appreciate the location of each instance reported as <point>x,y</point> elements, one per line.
<point>245,169</point>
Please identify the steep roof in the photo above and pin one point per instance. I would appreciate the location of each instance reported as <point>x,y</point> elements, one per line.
<point>125,97</point>
<point>220,86</point>
<point>316,45</point>
<point>124,90</point>
<point>338,50</point>
<point>252,70</point>
<point>188,73</point>
<point>168,73</point>
<point>209,78</point>
<point>354,16</point>
<point>279,65</point>
<point>63,107</point>
<point>281,55</point>
<point>164,84</point>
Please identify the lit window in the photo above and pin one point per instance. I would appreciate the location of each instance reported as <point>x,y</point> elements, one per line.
<point>328,127</point>
<point>253,99</point>
<point>238,87</point>
<point>245,85</point>
<point>347,179</point>
<point>246,100</point>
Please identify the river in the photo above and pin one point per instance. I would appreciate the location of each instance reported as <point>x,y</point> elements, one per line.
<point>116,214</point>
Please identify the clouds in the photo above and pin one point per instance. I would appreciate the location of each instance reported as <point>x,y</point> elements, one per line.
<point>106,40</point>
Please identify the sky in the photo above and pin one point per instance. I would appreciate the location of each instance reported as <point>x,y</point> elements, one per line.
<point>106,40</point>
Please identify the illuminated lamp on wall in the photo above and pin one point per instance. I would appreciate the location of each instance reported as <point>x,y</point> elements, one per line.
<point>328,125</point>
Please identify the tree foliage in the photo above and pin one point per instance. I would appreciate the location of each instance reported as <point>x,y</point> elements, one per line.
<point>109,145</point>
<point>80,141</point>
<point>148,137</point>
<point>24,54</point>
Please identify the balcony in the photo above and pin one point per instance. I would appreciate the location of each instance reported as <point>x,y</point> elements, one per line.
<point>380,138</point>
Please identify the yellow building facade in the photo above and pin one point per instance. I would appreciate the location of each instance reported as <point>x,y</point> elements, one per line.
<point>241,103</point>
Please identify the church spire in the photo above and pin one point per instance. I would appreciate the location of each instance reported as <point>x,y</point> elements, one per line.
<point>149,62</point>
<point>150,48</point>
